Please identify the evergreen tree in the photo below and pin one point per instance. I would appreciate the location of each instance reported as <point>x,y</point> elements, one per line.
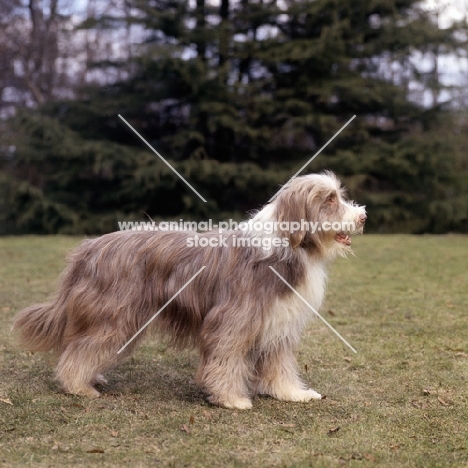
<point>237,96</point>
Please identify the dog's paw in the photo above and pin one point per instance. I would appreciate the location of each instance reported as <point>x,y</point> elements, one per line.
<point>237,403</point>
<point>100,380</point>
<point>231,402</point>
<point>306,395</point>
<point>300,394</point>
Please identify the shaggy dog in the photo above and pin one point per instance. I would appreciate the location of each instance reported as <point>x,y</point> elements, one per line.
<point>242,317</point>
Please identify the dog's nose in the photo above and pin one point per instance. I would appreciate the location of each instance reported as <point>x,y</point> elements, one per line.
<point>362,218</point>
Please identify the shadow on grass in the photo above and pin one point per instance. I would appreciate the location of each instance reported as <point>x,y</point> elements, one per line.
<point>157,375</point>
<point>159,381</point>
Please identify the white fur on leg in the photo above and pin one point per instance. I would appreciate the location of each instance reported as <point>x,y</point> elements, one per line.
<point>299,394</point>
<point>100,379</point>
<point>231,402</point>
<point>278,375</point>
<point>289,391</point>
<point>84,390</point>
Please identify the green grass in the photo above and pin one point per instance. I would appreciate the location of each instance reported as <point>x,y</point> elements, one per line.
<point>401,401</point>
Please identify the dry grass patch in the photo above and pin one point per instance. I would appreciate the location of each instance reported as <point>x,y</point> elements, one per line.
<point>400,402</point>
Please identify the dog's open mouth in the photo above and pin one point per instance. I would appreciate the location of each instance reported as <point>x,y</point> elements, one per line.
<point>343,238</point>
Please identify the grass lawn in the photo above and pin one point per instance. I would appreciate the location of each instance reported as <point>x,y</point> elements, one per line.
<point>401,401</point>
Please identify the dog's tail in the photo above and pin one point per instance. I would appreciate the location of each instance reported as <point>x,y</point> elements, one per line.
<point>40,327</point>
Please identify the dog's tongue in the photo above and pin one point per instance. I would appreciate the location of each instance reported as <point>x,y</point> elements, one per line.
<point>344,239</point>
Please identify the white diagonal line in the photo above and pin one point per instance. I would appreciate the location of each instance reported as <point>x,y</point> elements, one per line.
<point>313,310</point>
<point>161,309</point>
<point>162,159</point>
<point>313,157</point>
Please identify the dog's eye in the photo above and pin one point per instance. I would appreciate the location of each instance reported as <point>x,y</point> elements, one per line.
<point>331,198</point>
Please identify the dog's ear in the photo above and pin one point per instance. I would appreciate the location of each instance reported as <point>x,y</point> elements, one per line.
<point>291,208</point>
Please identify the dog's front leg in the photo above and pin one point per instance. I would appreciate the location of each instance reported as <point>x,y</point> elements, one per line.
<point>277,375</point>
<point>225,369</point>
<point>223,374</point>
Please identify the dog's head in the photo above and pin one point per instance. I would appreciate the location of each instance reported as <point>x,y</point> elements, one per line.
<point>318,214</point>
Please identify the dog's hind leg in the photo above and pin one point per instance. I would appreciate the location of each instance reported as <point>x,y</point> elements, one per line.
<point>81,363</point>
<point>100,380</point>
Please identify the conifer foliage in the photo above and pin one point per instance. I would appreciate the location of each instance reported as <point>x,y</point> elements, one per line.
<point>237,96</point>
